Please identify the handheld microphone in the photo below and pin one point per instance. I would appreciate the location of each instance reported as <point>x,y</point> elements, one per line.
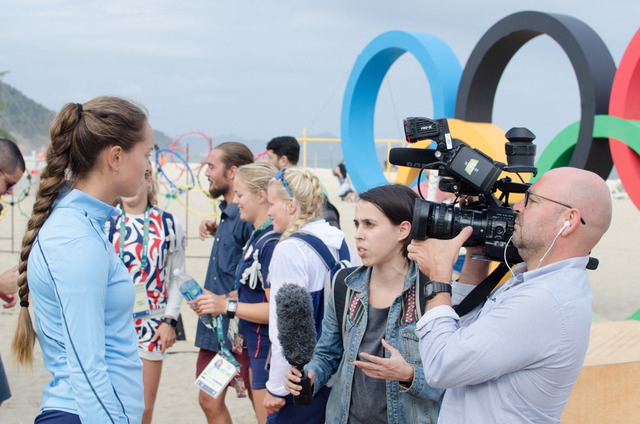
<point>297,333</point>
<point>411,157</point>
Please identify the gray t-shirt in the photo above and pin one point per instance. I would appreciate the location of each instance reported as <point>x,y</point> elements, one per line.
<point>369,395</point>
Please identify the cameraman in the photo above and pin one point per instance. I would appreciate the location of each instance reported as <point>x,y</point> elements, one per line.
<point>516,357</point>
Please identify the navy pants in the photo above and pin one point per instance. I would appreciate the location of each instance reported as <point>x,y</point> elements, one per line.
<point>312,414</point>
<point>52,416</point>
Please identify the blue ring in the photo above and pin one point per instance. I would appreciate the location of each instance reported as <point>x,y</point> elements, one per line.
<point>173,152</point>
<point>442,69</point>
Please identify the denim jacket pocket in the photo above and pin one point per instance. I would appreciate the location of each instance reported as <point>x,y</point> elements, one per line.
<point>410,345</point>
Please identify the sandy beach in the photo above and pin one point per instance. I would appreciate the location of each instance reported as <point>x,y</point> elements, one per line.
<point>614,283</point>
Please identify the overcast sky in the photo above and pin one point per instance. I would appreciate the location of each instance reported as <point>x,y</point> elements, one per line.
<point>258,69</point>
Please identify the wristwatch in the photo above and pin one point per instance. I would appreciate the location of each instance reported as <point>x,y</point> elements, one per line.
<point>171,321</point>
<point>432,288</point>
<point>232,306</point>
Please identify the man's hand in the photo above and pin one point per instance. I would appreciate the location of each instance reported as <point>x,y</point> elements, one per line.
<point>11,300</point>
<point>436,258</point>
<point>9,281</point>
<point>272,403</point>
<point>207,228</point>
<point>167,336</point>
<point>393,368</point>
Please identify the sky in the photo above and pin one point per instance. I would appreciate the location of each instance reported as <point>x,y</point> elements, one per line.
<point>258,69</point>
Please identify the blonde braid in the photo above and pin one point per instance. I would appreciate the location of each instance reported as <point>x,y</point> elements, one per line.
<point>308,195</point>
<point>51,183</point>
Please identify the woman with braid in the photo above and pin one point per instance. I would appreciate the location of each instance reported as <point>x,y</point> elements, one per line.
<point>81,291</point>
<point>295,204</point>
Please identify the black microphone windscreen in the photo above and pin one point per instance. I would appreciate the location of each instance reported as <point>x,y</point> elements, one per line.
<point>296,326</point>
<point>411,157</point>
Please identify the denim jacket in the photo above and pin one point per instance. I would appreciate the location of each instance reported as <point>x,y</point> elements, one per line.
<point>418,403</point>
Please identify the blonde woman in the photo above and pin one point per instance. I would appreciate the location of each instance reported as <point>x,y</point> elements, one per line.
<point>295,203</point>
<point>151,244</point>
<point>81,292</point>
<point>252,304</point>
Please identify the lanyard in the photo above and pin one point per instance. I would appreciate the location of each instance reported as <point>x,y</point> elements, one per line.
<point>221,345</point>
<point>145,241</point>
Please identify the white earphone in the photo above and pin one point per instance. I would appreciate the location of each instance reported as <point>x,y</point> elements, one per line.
<point>566,224</point>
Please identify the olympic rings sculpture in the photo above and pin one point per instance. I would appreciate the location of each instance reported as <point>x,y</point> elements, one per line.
<point>605,135</point>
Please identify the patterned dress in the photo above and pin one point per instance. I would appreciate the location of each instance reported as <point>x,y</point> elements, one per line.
<point>165,252</point>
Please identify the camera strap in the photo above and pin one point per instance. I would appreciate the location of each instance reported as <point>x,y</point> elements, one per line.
<point>480,293</point>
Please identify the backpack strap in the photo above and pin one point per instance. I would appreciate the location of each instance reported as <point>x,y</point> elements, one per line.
<point>322,250</point>
<point>318,245</point>
<point>340,293</point>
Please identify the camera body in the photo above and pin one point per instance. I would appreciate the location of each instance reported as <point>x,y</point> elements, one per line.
<point>470,172</point>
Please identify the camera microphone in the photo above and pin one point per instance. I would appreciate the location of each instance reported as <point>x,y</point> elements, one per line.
<point>297,333</point>
<point>413,158</point>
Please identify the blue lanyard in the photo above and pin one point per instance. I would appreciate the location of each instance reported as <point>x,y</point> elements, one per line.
<point>145,241</point>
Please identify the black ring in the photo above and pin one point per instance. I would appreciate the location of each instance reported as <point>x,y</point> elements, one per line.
<point>591,60</point>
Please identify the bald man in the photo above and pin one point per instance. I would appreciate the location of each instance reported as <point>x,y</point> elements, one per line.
<point>12,168</point>
<point>515,358</point>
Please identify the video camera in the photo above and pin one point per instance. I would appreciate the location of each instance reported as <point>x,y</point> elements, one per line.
<point>468,171</point>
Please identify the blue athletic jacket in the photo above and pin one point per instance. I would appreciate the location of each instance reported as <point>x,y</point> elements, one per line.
<point>83,300</point>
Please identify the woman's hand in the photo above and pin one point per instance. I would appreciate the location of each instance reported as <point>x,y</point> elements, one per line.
<point>272,403</point>
<point>209,303</point>
<point>393,368</point>
<point>292,377</point>
<point>167,336</point>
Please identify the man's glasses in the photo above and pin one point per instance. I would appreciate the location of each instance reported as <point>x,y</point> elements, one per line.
<point>280,177</point>
<point>528,193</point>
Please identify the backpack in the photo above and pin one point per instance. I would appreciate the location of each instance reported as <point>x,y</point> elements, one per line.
<point>341,293</point>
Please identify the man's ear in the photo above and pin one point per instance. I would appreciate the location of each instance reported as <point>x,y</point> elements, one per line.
<point>231,172</point>
<point>283,161</point>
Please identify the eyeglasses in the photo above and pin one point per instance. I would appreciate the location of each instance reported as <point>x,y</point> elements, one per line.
<point>528,193</point>
<point>9,184</point>
<point>280,177</point>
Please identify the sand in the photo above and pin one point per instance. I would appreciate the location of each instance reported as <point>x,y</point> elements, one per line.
<point>614,283</point>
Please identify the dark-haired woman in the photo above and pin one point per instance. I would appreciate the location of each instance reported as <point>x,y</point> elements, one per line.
<point>81,292</point>
<point>374,354</point>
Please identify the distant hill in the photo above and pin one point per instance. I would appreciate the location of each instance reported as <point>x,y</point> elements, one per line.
<point>27,122</point>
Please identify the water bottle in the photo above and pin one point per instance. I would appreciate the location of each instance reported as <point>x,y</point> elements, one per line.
<point>191,290</point>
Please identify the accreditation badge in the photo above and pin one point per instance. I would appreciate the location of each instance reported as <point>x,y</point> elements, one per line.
<point>141,304</point>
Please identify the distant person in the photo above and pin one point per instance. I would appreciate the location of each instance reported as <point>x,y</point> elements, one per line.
<point>252,307</point>
<point>294,207</point>
<point>516,357</point>
<point>340,171</point>
<point>346,192</point>
<point>230,237</point>
<point>151,244</point>
<point>81,291</point>
<point>373,355</point>
<point>284,152</point>
<point>12,168</point>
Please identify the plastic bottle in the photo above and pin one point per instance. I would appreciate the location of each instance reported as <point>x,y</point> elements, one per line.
<point>191,290</point>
